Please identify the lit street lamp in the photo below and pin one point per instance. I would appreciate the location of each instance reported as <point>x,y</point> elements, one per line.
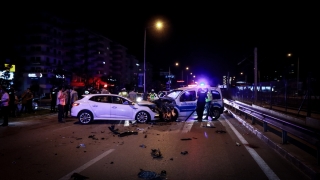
<point>158,25</point>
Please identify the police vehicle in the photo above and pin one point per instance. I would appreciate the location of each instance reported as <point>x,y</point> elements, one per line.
<point>182,102</point>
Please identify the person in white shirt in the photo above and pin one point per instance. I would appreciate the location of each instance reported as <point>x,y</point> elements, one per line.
<point>4,106</point>
<point>133,95</point>
<point>104,91</point>
<point>61,102</point>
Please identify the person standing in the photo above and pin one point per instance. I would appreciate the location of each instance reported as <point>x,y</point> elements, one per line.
<point>4,106</point>
<point>208,105</point>
<point>29,102</point>
<point>53,99</point>
<point>26,97</point>
<point>153,95</point>
<point>133,95</point>
<point>61,102</point>
<point>201,102</point>
<point>104,91</point>
<point>12,104</point>
<point>123,92</point>
<point>73,97</point>
<point>67,105</point>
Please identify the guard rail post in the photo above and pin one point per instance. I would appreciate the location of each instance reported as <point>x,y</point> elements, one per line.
<point>253,120</point>
<point>265,126</point>
<point>284,137</point>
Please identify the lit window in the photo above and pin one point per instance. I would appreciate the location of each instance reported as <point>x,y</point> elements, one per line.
<point>99,52</point>
<point>103,62</point>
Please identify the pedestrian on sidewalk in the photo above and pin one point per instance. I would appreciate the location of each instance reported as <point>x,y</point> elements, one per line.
<point>61,102</point>
<point>4,106</point>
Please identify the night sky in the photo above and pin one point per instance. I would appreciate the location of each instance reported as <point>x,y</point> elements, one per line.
<point>210,38</point>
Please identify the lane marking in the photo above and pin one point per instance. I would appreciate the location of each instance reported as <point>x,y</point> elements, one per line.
<point>187,127</point>
<point>86,165</point>
<point>262,164</point>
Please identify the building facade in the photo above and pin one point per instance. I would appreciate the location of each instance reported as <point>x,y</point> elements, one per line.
<point>51,51</point>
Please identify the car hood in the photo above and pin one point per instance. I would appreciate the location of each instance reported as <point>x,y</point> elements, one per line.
<point>144,103</point>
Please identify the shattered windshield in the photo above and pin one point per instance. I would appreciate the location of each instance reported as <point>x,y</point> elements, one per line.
<point>174,93</point>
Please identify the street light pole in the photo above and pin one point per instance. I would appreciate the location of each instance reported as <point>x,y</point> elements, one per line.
<point>144,60</point>
<point>169,79</point>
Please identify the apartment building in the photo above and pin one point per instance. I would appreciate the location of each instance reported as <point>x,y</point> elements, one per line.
<point>52,51</point>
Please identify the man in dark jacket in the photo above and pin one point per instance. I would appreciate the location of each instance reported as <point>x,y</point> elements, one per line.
<point>201,102</point>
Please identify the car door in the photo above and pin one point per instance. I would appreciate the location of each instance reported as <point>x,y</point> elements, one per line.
<point>100,106</point>
<point>188,102</point>
<point>119,110</point>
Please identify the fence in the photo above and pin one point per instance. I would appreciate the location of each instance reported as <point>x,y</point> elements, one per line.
<point>285,94</point>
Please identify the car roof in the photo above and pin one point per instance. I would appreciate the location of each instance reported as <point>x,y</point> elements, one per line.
<point>197,87</point>
<point>91,95</point>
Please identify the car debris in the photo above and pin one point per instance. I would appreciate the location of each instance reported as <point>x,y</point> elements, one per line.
<point>238,144</point>
<point>185,139</point>
<point>184,152</point>
<point>92,137</point>
<point>220,131</point>
<point>127,133</point>
<point>151,175</point>
<point>156,153</point>
<point>115,131</point>
<point>81,145</point>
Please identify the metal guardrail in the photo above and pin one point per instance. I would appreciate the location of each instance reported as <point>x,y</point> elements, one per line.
<point>304,133</point>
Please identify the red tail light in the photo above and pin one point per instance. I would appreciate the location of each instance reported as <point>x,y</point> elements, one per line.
<point>75,104</point>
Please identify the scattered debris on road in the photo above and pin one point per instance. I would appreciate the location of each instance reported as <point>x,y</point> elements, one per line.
<point>156,153</point>
<point>185,139</point>
<point>151,175</point>
<point>220,131</point>
<point>184,152</point>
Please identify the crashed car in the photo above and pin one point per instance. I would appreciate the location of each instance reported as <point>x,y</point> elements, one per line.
<point>182,102</point>
<point>93,107</point>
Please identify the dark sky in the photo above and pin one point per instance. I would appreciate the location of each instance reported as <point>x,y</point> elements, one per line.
<point>209,36</point>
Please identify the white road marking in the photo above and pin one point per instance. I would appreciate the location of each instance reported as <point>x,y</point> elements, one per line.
<point>86,165</point>
<point>187,127</point>
<point>262,164</point>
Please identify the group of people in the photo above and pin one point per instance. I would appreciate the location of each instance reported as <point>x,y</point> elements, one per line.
<point>132,95</point>
<point>204,98</point>
<point>63,99</point>
<point>9,103</point>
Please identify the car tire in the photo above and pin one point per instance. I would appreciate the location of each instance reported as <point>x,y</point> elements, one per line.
<point>85,117</point>
<point>142,117</point>
<point>215,113</point>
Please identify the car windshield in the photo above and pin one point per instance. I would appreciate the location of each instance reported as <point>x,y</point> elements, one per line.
<point>174,93</point>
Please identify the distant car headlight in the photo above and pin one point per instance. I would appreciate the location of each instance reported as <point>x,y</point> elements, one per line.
<point>139,99</point>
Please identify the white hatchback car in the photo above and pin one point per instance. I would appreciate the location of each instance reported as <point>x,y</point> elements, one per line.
<point>110,107</point>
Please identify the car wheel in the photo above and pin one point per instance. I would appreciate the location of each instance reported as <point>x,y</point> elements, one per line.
<point>85,117</point>
<point>142,116</point>
<point>215,113</point>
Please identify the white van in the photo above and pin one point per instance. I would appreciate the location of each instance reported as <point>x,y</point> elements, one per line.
<point>182,102</point>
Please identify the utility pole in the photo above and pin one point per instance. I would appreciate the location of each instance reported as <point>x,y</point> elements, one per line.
<point>255,74</point>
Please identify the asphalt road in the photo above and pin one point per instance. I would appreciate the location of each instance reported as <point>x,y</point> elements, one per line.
<point>38,147</point>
